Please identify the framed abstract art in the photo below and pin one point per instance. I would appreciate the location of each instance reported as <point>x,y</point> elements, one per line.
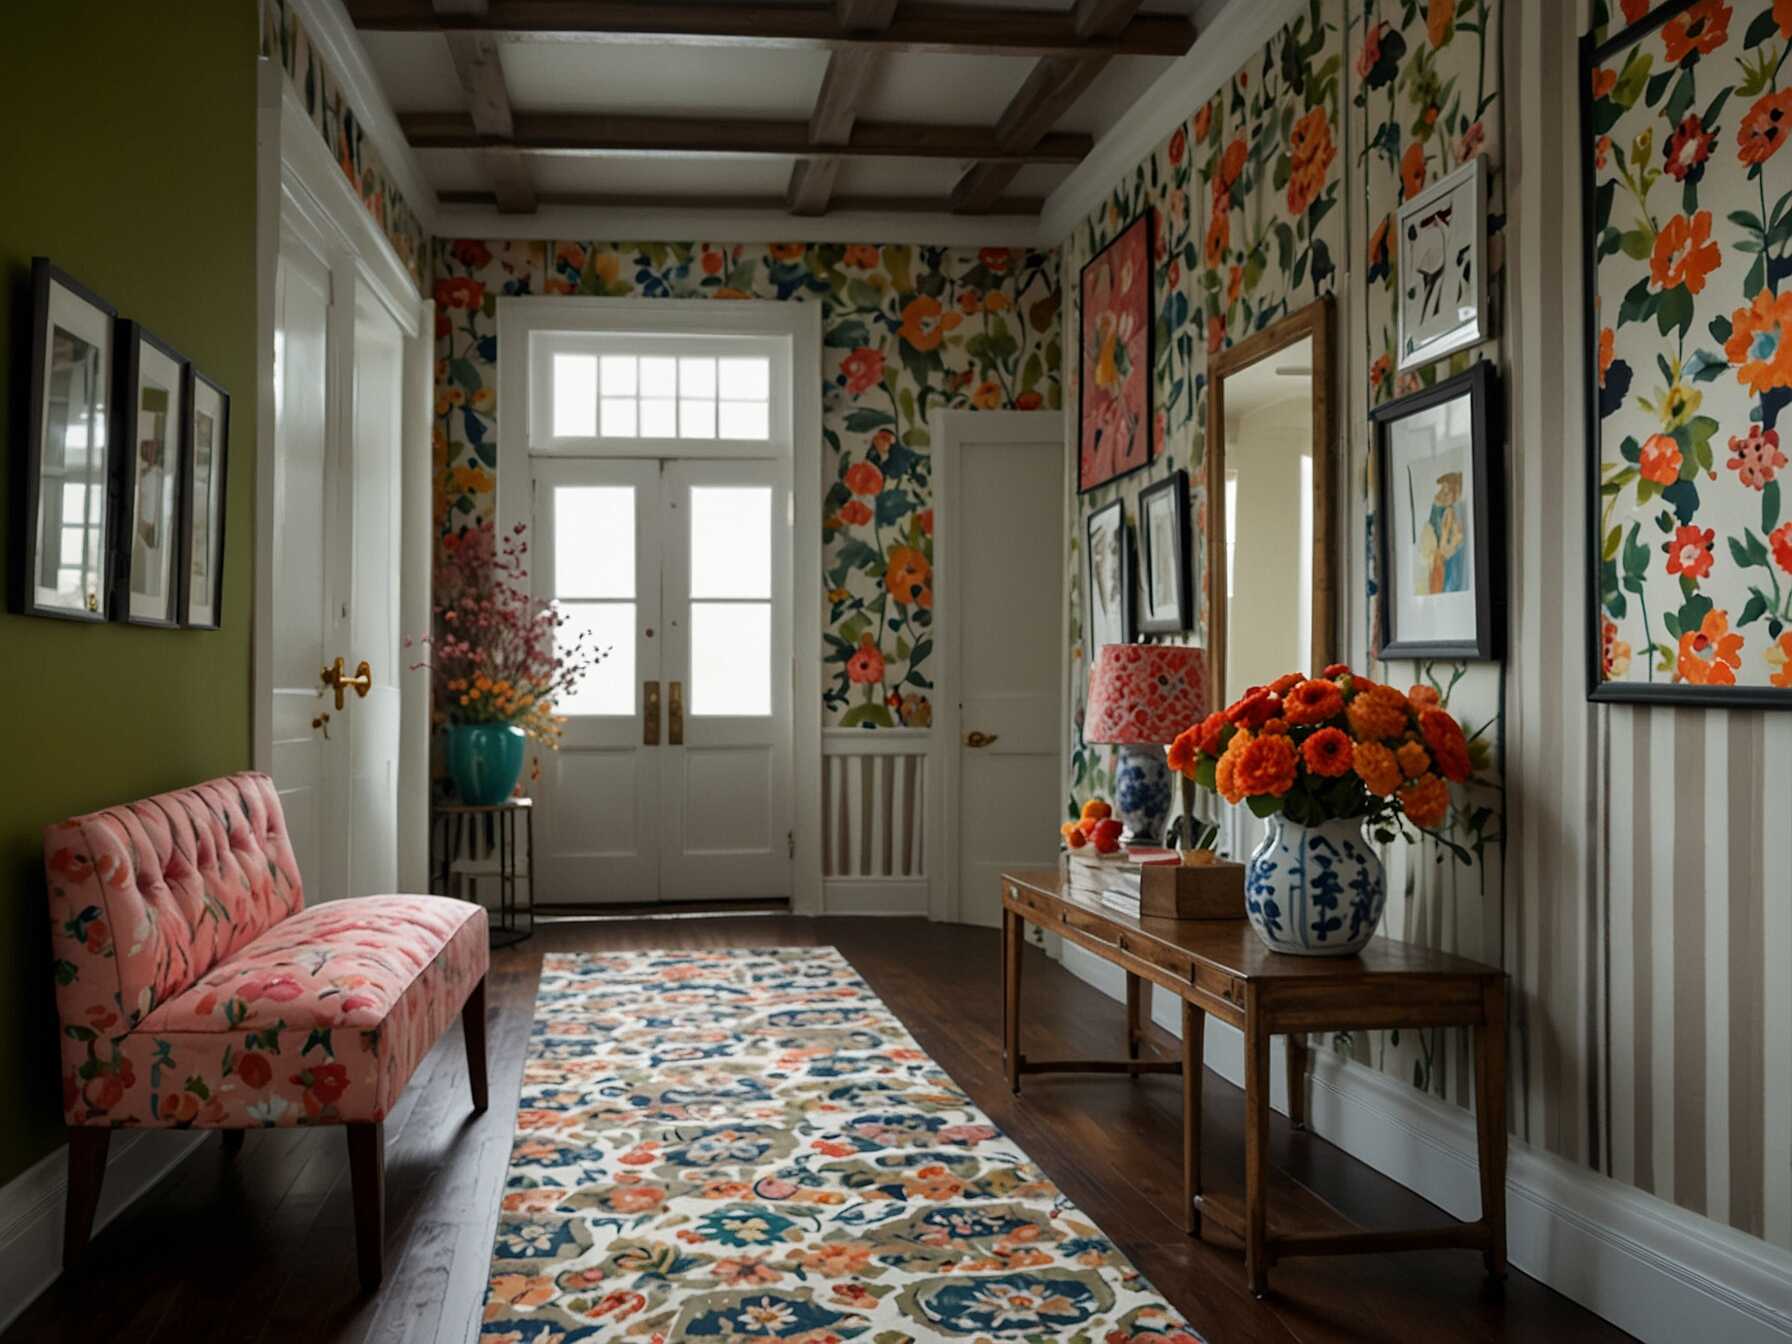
<point>1442,255</point>
<point>1164,607</point>
<point>1109,573</point>
<point>1438,513</point>
<point>151,394</point>
<point>1114,386</point>
<point>1687,198</point>
<point>206,440</point>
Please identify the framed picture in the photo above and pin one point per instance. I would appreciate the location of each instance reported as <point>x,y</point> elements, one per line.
<point>63,519</point>
<point>1442,253</point>
<point>1689,540</point>
<point>151,403</point>
<point>1438,506</point>
<point>1163,527</point>
<point>1114,386</point>
<point>1109,578</point>
<point>205,444</point>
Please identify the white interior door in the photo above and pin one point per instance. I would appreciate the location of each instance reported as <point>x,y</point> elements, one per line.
<point>597,553</point>
<point>1007,671</point>
<point>302,349</point>
<point>725,768</point>
<point>372,633</point>
<point>673,778</point>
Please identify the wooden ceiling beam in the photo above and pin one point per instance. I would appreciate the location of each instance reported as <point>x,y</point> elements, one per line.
<point>881,205</point>
<point>848,77</point>
<point>481,74</point>
<point>916,26</point>
<point>697,137</point>
<point>1050,90</point>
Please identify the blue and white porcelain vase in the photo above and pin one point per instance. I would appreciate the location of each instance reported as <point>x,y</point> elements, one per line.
<point>1315,891</point>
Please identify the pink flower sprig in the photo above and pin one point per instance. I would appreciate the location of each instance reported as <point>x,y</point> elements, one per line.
<point>499,655</point>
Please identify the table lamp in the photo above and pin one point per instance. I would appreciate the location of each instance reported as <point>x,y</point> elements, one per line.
<point>1140,697</point>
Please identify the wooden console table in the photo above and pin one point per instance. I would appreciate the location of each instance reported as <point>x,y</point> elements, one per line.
<point>1222,967</point>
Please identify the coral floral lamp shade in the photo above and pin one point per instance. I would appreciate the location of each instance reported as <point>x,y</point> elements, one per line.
<point>1145,693</point>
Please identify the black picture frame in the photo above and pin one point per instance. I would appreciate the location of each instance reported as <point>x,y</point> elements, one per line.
<point>190,503</point>
<point>1175,485</point>
<point>130,340</point>
<point>1595,50</point>
<point>1102,520</point>
<point>34,333</point>
<point>1480,383</point>
<point>1145,219</point>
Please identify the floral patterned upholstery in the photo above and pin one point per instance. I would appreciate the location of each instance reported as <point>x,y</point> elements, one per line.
<point>195,989</point>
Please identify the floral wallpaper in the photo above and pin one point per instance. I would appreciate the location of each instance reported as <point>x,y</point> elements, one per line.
<point>907,330</point>
<point>1692,218</point>
<point>284,39</point>
<point>1248,228</point>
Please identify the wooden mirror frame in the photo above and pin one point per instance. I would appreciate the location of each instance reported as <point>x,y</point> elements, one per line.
<point>1315,322</point>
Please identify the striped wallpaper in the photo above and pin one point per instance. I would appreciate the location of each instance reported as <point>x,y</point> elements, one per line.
<point>1641,893</point>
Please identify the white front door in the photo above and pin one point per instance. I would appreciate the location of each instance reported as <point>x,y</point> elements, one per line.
<point>1006,630</point>
<point>335,588</point>
<point>673,777</point>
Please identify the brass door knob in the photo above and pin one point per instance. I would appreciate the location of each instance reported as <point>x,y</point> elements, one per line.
<point>977,741</point>
<point>334,678</point>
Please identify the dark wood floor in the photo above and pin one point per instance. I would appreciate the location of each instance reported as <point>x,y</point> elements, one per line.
<point>262,1249</point>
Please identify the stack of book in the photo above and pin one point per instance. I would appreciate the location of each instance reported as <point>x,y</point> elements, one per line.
<point>1113,879</point>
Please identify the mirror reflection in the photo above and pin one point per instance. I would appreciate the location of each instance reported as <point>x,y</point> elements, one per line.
<point>1269,517</point>
<point>72,504</point>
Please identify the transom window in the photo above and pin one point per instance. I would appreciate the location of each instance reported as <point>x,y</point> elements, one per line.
<point>619,392</point>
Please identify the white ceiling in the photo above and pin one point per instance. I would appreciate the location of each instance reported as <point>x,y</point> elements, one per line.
<point>416,74</point>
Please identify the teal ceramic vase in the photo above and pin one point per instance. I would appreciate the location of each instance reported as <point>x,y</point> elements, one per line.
<point>484,761</point>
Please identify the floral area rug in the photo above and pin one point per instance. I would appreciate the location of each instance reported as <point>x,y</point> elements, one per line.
<point>748,1146</point>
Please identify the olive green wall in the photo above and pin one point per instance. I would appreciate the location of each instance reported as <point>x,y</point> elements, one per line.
<point>128,158</point>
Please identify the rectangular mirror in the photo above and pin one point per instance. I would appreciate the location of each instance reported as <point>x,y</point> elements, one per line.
<point>1269,467</point>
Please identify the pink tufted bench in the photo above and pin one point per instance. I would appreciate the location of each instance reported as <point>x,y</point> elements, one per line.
<point>197,991</point>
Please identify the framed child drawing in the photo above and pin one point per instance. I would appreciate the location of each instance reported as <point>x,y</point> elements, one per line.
<point>1686,194</point>
<point>1114,386</point>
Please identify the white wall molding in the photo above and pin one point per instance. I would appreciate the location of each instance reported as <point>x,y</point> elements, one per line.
<point>32,1206</point>
<point>333,33</point>
<point>1646,1265</point>
<point>1225,44</point>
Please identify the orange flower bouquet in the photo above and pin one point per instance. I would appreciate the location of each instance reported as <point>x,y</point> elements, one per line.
<point>1319,757</point>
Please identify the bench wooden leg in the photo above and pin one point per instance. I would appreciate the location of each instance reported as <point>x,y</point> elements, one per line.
<point>233,1141</point>
<point>472,1022</point>
<point>86,1170</point>
<point>367,1175</point>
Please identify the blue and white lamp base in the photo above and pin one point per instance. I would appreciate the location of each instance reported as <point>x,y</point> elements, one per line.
<point>1142,793</point>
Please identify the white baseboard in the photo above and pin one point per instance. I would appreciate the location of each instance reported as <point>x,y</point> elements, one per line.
<point>874,896</point>
<point>32,1206</point>
<point>1647,1266</point>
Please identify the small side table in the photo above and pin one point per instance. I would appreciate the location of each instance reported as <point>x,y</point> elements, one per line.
<point>451,825</point>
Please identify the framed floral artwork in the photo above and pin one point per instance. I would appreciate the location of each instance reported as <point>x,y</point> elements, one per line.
<point>64,561</point>
<point>1438,494</point>
<point>1687,203</point>
<point>1114,390</point>
<point>152,389</point>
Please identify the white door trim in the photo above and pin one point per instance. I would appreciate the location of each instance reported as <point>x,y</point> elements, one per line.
<point>798,322</point>
<point>299,187</point>
<point>945,901</point>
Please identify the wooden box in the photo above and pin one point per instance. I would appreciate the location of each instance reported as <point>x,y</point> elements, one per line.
<point>1188,891</point>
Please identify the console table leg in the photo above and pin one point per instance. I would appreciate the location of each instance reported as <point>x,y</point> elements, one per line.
<point>1297,1079</point>
<point>1013,936</point>
<point>1256,1147</point>
<point>1194,1040</point>
<point>1490,1122</point>
<point>1135,1015</point>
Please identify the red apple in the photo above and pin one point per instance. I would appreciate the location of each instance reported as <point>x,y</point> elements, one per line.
<point>1107,835</point>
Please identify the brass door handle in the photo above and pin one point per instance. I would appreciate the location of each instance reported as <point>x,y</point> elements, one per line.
<point>337,680</point>
<point>977,741</point>
<point>675,716</point>
<point>650,718</point>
